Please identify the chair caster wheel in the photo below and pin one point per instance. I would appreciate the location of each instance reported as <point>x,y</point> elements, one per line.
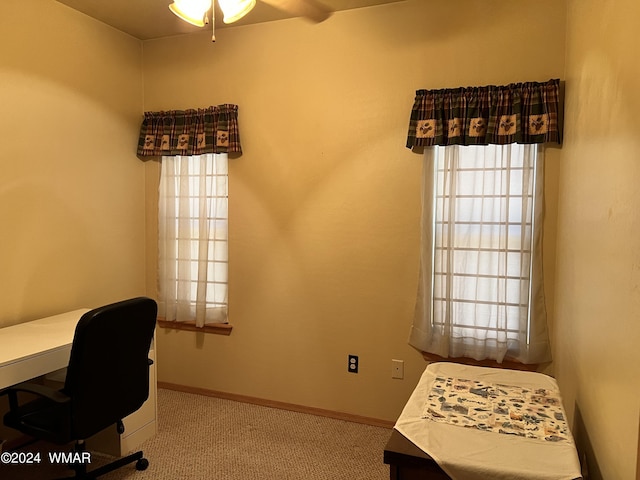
<point>142,464</point>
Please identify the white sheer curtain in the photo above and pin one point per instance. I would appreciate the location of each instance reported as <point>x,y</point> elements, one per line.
<point>192,238</point>
<point>480,293</point>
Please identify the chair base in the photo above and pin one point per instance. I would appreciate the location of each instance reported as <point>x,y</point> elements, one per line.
<point>81,470</point>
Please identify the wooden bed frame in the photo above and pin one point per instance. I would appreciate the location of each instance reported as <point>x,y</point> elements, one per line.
<point>408,462</point>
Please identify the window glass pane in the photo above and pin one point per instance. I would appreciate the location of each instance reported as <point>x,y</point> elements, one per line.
<point>482,238</point>
<point>193,216</point>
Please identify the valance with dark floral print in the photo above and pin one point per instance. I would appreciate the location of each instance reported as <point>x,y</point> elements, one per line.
<point>190,132</point>
<point>516,113</point>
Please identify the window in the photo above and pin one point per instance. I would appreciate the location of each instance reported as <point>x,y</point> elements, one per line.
<point>193,249</point>
<point>481,292</point>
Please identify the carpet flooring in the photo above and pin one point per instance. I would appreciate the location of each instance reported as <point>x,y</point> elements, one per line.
<point>203,437</point>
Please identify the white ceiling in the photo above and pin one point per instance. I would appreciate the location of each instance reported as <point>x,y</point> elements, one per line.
<point>147,19</point>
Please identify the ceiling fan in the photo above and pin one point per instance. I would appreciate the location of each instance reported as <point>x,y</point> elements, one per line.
<point>196,11</point>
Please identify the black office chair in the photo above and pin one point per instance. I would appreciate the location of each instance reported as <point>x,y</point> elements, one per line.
<point>107,379</point>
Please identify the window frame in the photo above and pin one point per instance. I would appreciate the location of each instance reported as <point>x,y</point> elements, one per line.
<point>206,192</point>
<point>437,341</point>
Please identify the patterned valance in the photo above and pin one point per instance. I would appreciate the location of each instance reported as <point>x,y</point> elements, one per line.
<point>516,113</point>
<point>190,132</point>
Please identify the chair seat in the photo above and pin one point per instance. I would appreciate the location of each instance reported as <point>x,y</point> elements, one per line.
<point>42,418</point>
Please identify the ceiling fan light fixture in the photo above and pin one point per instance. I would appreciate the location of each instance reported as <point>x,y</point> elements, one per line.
<point>234,10</point>
<point>192,11</point>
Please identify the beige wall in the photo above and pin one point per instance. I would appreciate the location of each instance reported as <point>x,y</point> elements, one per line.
<point>598,254</point>
<point>324,203</point>
<point>71,187</point>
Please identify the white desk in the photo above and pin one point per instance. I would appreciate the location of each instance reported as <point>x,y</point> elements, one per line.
<point>32,349</point>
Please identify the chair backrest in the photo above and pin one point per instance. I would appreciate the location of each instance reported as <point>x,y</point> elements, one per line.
<point>108,372</point>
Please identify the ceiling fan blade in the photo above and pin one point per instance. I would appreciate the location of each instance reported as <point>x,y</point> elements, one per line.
<point>311,9</point>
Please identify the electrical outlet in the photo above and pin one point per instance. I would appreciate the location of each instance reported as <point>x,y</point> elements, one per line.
<point>397,368</point>
<point>353,364</point>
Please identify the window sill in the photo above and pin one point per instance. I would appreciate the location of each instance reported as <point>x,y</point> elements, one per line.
<point>214,328</point>
<point>511,365</point>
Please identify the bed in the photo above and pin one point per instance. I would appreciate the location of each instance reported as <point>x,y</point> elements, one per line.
<point>469,423</point>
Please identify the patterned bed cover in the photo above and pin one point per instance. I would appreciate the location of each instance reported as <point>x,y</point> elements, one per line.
<point>479,423</point>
